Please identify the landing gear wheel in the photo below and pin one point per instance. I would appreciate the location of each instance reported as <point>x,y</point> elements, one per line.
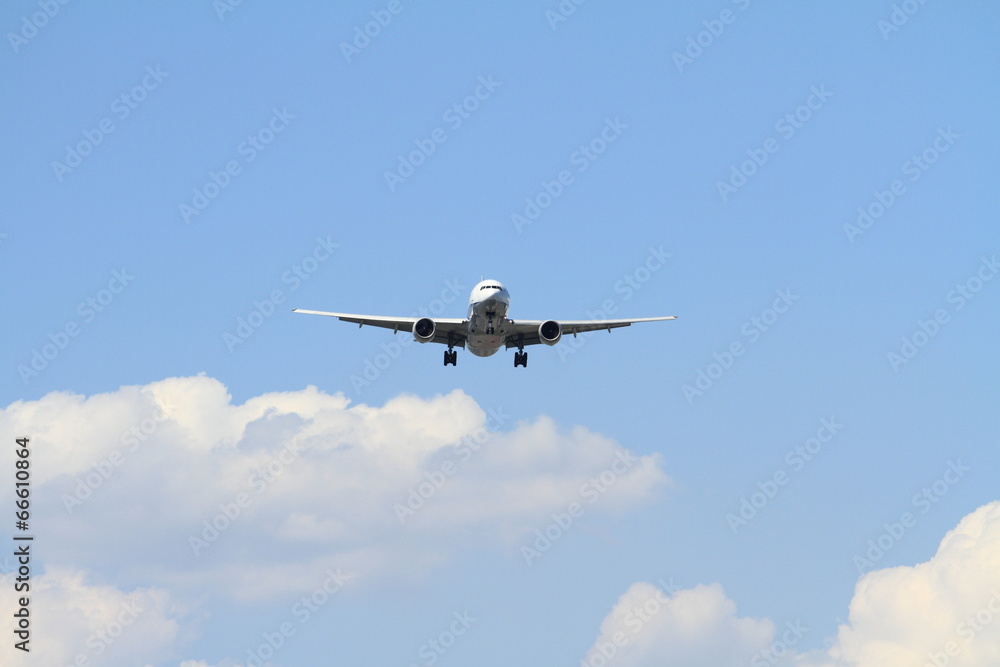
<point>520,359</point>
<point>450,357</point>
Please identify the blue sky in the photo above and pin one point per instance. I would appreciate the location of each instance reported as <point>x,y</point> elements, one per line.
<point>174,171</point>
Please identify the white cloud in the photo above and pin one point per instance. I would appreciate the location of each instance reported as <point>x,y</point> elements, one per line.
<point>174,484</point>
<point>75,621</point>
<point>690,628</point>
<point>945,611</point>
<point>942,613</point>
<point>302,484</point>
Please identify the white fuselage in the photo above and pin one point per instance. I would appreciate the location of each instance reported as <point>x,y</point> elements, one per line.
<point>488,305</point>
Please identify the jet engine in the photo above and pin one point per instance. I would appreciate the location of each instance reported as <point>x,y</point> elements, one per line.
<point>423,330</point>
<point>549,332</point>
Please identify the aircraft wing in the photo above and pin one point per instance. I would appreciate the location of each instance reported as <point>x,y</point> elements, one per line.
<point>529,328</point>
<point>456,327</point>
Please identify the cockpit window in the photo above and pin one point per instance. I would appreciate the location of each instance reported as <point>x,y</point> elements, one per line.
<point>489,287</point>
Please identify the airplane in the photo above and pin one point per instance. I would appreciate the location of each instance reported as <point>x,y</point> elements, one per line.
<point>486,328</point>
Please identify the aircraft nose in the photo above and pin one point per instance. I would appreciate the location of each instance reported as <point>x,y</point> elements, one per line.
<point>495,299</point>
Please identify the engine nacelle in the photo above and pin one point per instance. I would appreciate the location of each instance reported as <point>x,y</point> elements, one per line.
<point>549,332</point>
<point>423,330</point>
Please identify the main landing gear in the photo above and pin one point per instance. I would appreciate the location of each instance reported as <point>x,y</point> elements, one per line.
<point>520,357</point>
<point>450,355</point>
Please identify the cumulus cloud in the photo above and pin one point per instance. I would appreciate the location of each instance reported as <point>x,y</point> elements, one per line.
<point>942,612</point>
<point>692,627</point>
<point>173,483</point>
<point>77,621</point>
